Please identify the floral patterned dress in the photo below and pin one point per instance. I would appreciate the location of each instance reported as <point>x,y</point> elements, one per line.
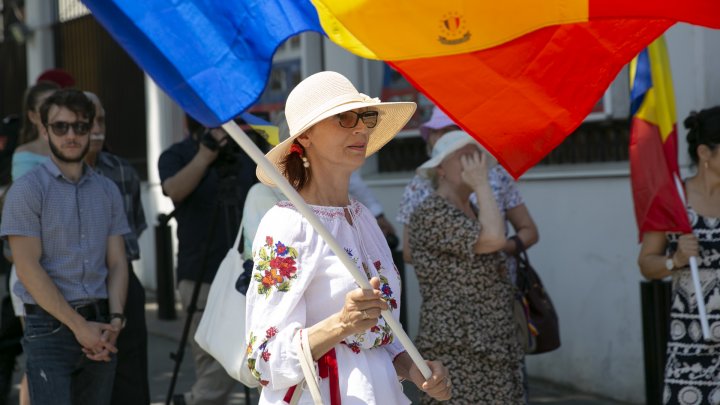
<point>692,368</point>
<point>466,319</point>
<point>297,282</point>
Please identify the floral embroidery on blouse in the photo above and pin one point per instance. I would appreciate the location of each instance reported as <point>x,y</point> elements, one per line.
<point>382,332</point>
<point>385,335</point>
<point>366,269</point>
<point>352,257</point>
<point>264,353</point>
<point>327,212</point>
<point>354,346</point>
<point>387,292</point>
<point>276,267</point>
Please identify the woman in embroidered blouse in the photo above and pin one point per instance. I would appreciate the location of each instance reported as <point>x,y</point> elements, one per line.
<point>300,287</point>
<point>691,372</point>
<point>468,322</point>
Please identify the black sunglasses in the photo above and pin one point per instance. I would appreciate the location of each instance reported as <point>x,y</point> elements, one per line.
<point>350,119</point>
<point>61,128</point>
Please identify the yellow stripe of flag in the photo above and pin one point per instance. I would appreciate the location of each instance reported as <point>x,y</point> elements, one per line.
<point>388,30</point>
<point>658,107</point>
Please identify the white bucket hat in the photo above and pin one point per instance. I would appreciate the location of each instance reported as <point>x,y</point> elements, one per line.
<point>326,94</point>
<point>446,145</point>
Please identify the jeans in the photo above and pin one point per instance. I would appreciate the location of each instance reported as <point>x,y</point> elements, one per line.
<point>58,371</point>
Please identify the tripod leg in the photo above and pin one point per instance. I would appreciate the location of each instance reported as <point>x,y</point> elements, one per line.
<point>191,309</point>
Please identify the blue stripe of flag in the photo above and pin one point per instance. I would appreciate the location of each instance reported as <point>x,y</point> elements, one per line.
<point>213,57</point>
<point>642,82</point>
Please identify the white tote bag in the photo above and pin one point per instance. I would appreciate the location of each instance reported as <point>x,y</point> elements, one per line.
<point>221,332</point>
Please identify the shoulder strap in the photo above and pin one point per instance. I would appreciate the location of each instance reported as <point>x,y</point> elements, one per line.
<point>308,367</point>
<point>236,244</point>
<point>521,249</point>
<point>523,267</point>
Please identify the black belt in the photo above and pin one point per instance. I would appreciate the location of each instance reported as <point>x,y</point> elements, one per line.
<point>91,310</point>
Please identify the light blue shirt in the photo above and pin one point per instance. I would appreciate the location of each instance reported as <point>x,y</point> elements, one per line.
<point>73,222</point>
<point>24,161</point>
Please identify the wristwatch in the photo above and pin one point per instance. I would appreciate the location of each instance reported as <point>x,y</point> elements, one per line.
<point>669,263</point>
<point>121,317</point>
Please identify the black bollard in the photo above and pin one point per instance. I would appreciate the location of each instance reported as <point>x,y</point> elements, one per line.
<point>164,268</point>
<point>655,298</point>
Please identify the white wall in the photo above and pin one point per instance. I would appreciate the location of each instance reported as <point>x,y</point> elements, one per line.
<point>587,259</point>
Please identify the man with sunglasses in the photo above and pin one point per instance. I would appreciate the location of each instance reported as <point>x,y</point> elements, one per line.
<point>65,224</point>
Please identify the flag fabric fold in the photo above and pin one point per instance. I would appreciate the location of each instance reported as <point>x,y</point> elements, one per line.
<point>519,76</point>
<point>654,169</point>
<point>213,57</point>
<point>431,29</point>
<point>522,99</point>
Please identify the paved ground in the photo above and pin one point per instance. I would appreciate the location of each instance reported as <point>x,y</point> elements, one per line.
<point>164,337</point>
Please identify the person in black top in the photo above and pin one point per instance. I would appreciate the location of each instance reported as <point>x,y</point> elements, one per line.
<point>207,177</point>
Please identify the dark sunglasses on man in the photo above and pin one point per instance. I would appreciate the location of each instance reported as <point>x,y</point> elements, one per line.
<point>61,128</point>
<point>350,119</point>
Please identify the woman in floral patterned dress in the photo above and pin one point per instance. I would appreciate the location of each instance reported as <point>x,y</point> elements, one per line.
<point>466,318</point>
<point>300,289</point>
<point>692,365</point>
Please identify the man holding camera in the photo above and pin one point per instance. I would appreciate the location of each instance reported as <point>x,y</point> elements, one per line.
<point>196,173</point>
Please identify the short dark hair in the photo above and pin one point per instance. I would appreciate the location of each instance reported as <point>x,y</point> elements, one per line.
<point>72,99</point>
<point>703,129</point>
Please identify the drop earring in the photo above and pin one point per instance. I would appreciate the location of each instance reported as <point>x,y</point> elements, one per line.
<point>296,148</point>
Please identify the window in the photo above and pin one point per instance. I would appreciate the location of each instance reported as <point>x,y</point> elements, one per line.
<point>395,88</point>
<point>284,76</point>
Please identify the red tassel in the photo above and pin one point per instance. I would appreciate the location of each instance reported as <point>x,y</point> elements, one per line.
<point>327,368</point>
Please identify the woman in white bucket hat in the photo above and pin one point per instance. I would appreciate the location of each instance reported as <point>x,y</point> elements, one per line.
<point>300,289</point>
<point>466,317</point>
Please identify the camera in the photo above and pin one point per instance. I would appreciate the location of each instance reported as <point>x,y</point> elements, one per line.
<point>226,163</point>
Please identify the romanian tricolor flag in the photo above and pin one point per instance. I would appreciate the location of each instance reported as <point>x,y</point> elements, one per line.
<point>518,75</point>
<point>654,168</point>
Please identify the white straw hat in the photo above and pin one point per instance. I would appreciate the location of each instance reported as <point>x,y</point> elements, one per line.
<point>446,145</point>
<point>326,94</point>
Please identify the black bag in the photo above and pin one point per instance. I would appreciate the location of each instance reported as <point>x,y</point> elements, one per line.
<point>542,319</point>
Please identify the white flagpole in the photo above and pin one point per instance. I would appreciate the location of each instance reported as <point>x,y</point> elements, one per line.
<point>281,182</point>
<point>699,296</point>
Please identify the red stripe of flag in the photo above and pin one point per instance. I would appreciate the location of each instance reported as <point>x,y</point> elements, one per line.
<point>653,163</point>
<point>522,98</point>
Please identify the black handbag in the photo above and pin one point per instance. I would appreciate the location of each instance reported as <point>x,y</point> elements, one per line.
<point>542,320</point>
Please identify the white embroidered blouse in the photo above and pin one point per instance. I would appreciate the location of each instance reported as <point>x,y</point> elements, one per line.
<point>297,282</point>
